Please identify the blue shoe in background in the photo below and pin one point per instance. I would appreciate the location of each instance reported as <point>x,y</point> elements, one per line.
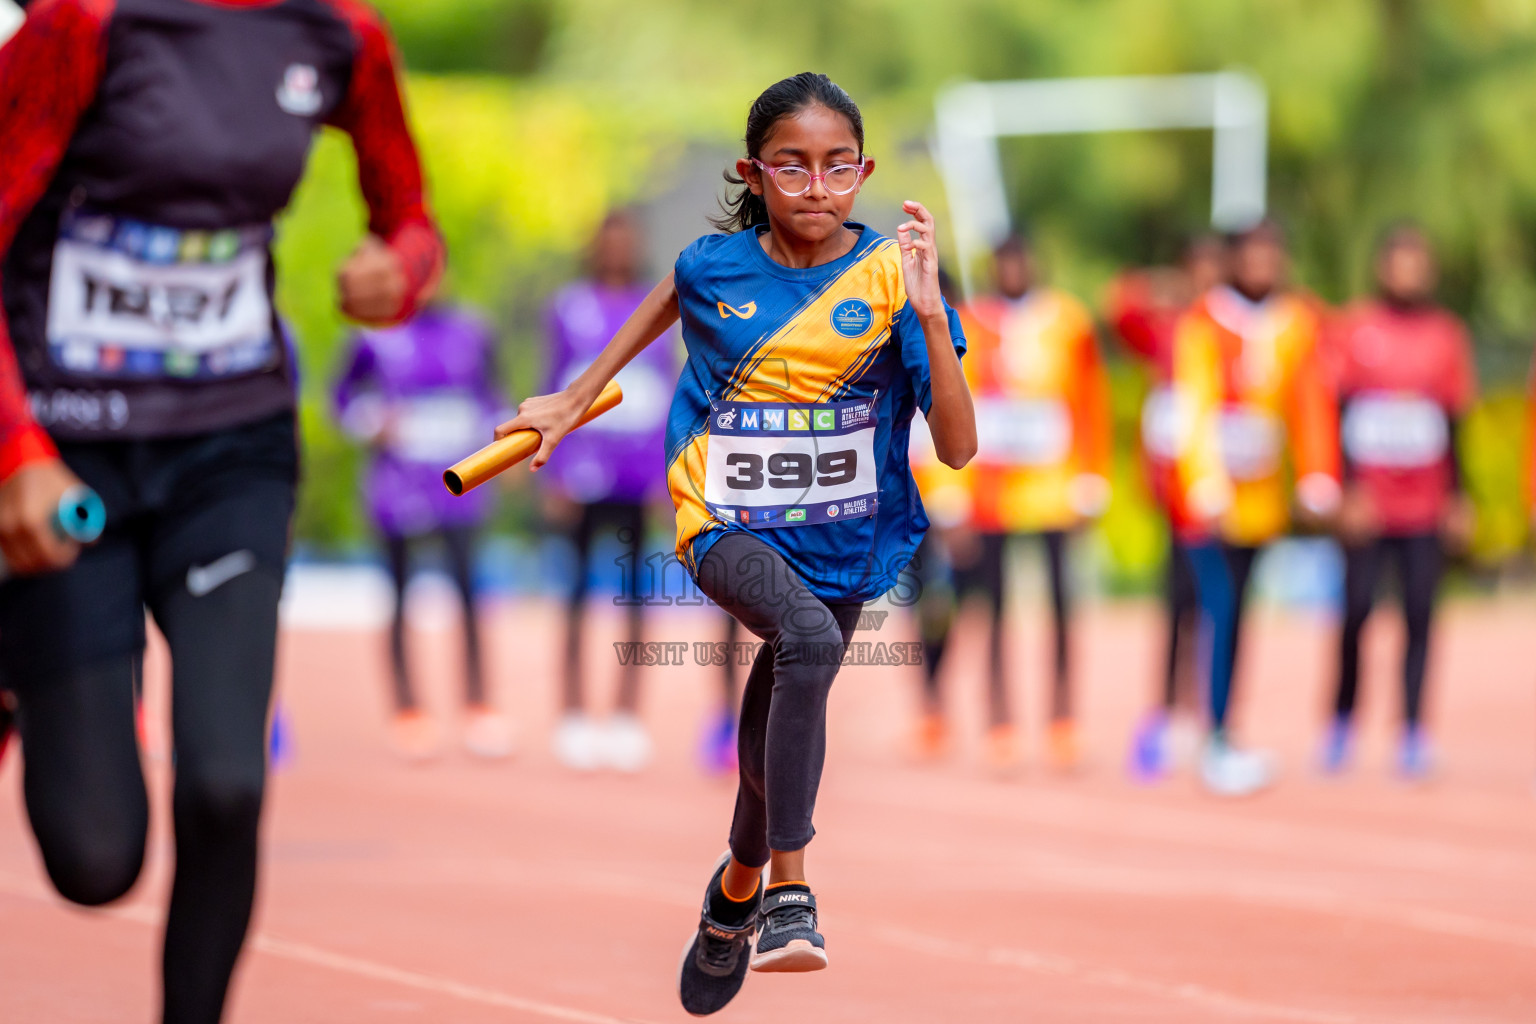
<point>718,751</point>
<point>1149,749</point>
<point>1338,745</point>
<point>1415,759</point>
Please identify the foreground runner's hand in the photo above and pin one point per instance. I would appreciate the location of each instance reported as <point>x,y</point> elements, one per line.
<point>920,261</point>
<point>951,417</point>
<point>29,509</point>
<point>553,416</point>
<point>371,284</point>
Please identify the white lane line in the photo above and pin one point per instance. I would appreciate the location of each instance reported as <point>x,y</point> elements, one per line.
<point>608,882</point>
<point>1188,826</point>
<point>1046,872</point>
<point>1065,967</point>
<point>314,956</point>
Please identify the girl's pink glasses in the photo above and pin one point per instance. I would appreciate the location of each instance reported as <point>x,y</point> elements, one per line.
<point>794,180</point>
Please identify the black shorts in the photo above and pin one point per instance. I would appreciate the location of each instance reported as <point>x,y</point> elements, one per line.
<point>181,512</point>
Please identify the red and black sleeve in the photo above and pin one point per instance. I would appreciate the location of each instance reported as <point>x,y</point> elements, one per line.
<point>49,71</point>
<point>388,168</point>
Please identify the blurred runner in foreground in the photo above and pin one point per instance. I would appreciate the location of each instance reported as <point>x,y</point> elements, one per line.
<point>1256,431</point>
<point>607,473</point>
<point>1145,307</point>
<point>422,396</point>
<point>1041,469</point>
<point>148,146</point>
<point>1406,378</point>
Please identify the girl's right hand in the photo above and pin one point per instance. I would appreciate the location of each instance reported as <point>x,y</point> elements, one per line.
<point>29,508</point>
<point>553,416</point>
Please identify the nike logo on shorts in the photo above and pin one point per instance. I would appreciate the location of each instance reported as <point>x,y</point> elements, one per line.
<point>205,579</point>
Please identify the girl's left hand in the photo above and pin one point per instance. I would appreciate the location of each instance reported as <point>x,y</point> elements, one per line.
<point>920,261</point>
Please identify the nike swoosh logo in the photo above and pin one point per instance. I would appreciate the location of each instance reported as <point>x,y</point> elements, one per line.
<point>203,580</point>
<point>745,312</point>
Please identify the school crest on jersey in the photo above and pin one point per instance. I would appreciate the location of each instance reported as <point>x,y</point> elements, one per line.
<point>299,92</point>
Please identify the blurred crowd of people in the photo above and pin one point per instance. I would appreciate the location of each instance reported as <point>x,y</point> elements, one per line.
<point>1265,413</point>
<point>422,395</point>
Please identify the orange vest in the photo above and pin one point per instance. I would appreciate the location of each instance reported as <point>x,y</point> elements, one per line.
<point>1042,418</point>
<point>1253,414</point>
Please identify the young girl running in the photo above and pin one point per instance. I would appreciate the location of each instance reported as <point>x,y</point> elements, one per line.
<point>811,341</point>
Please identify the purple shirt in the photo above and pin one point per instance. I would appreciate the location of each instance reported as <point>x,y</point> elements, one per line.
<point>425,395</point>
<point>620,455</point>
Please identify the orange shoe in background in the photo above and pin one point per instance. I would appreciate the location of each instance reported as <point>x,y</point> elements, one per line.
<point>415,735</point>
<point>1063,748</point>
<point>1003,750</point>
<point>930,741</point>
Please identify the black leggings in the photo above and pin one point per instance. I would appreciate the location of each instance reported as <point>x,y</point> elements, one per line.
<point>1182,605</point>
<point>1240,560</point>
<point>1419,566</point>
<point>197,530</point>
<point>627,519</point>
<point>987,574</point>
<point>782,737</point>
<point>459,542</point>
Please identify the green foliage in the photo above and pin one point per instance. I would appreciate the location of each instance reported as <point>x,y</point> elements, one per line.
<point>538,114</point>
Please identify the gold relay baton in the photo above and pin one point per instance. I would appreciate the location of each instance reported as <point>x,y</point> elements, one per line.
<point>501,455</point>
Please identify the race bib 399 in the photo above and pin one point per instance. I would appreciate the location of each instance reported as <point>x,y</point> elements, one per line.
<point>774,464</point>
<point>135,300</point>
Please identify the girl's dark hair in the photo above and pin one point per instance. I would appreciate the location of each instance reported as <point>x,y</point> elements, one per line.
<point>780,100</point>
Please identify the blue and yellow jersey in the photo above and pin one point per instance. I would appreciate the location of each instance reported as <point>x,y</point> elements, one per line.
<point>760,335</point>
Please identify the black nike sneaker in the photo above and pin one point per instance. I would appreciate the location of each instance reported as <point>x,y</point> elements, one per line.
<point>715,959</point>
<point>787,939</point>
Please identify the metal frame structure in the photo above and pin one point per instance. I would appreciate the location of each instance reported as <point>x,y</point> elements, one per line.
<point>971,117</point>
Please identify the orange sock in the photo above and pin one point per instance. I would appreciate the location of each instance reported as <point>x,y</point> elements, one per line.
<point>738,899</point>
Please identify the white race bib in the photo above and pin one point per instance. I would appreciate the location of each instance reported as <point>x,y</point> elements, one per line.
<point>129,300</point>
<point>1395,431</point>
<point>776,464</point>
<point>437,428</point>
<point>1163,423</point>
<point>1250,443</point>
<point>1022,431</point>
<point>647,397</point>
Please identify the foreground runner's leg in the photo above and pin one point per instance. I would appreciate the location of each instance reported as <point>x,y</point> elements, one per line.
<point>714,961</point>
<point>215,561</point>
<point>783,717</point>
<point>70,643</point>
<point>84,792</point>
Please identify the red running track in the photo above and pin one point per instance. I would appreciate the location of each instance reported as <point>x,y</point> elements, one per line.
<point>516,892</point>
